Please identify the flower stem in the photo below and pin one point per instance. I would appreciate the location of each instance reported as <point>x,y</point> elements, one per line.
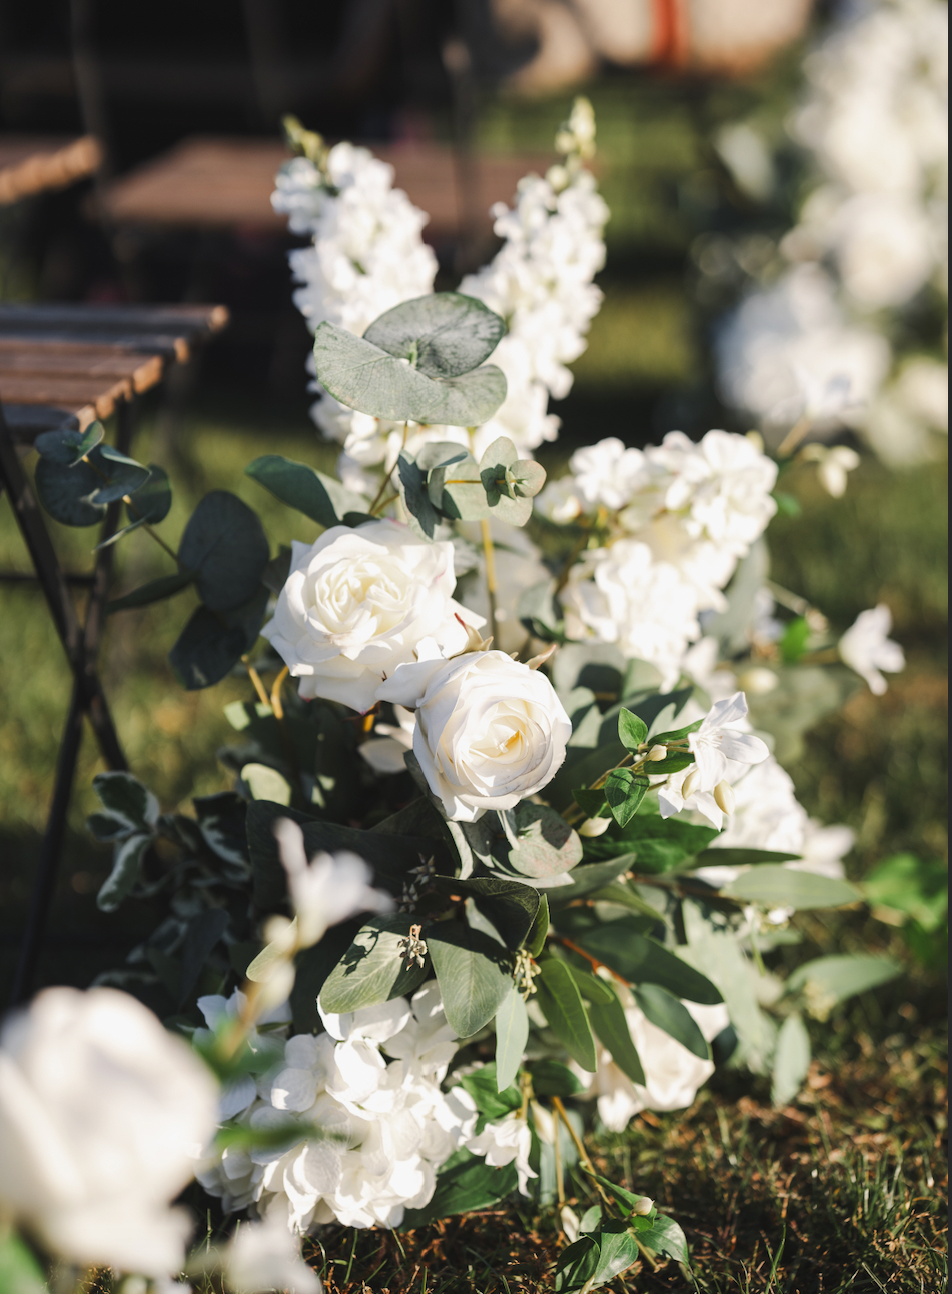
<point>491,587</point>
<point>256,681</point>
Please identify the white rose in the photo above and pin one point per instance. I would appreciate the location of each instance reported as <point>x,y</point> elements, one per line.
<point>101,1115</point>
<point>489,730</point>
<point>357,602</point>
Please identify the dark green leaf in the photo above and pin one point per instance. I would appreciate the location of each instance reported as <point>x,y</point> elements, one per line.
<point>577,1265</point>
<point>442,335</point>
<point>665,1238</point>
<point>311,969</point>
<point>465,1183</point>
<point>126,864</point>
<point>640,960</point>
<point>591,802</point>
<point>474,974</point>
<point>535,939</point>
<point>776,886</point>
<point>551,1078</point>
<point>741,857</point>
<point>119,475</point>
<point>561,1003</point>
<point>411,482</point>
<point>201,935</point>
<point>105,828</point>
<point>658,844</point>
<point>492,1099</point>
<point>224,544</point>
<point>624,792</point>
<point>305,489</point>
<point>610,1025</point>
<point>622,894</point>
<point>211,645</point>
<point>671,1015</point>
<point>66,492</point>
<point>154,591</point>
<point>619,1249</point>
<point>372,969</point>
<point>510,905</point>
<point>362,376</point>
<point>124,797</point>
<point>512,1034</point>
<point>589,877</point>
<point>632,731</point>
<point>592,989</point>
<point>152,500</point>
<point>67,447</point>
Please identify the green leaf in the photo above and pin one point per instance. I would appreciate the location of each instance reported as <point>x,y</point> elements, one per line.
<point>364,377</point>
<point>666,1239</point>
<point>547,844</point>
<point>510,483</point>
<point>775,886</point>
<point>123,475</point>
<point>68,447</point>
<point>641,960</point>
<point>791,1060</point>
<point>907,883</point>
<point>124,797</point>
<point>671,1015</point>
<point>611,1026</point>
<point>372,969</point>
<point>552,1078</point>
<point>126,863</point>
<point>735,857</point>
<point>592,989</point>
<point>589,877</point>
<point>266,783</point>
<point>66,492</point>
<point>211,645</point>
<point>312,966</point>
<point>619,1249</point>
<point>154,591</point>
<point>658,844</point>
<point>632,731</point>
<point>558,996</point>
<point>474,975</point>
<point>794,641</point>
<point>305,489</point>
<point>512,1034</point>
<point>787,504</point>
<point>626,1199</point>
<point>201,935</point>
<point>442,335</point>
<point>622,894</point>
<point>577,1265</point>
<point>20,1273</point>
<point>455,486</point>
<point>491,1099</point>
<point>829,980</point>
<point>624,792</point>
<point>510,905</point>
<point>152,501</point>
<point>411,482</point>
<point>465,1183</point>
<point>224,544</point>
<point>590,802</point>
<point>535,939</point>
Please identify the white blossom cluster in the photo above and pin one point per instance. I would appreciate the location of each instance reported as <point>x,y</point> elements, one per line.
<point>368,255</point>
<point>817,344</point>
<point>374,1123</point>
<point>684,513</point>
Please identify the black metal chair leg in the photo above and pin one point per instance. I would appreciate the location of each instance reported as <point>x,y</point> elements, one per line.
<point>44,883</point>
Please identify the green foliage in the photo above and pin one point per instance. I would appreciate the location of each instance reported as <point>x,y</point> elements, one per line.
<point>657,844</point>
<point>546,845</point>
<point>558,996</point>
<point>493,1099</point>
<point>670,1014</point>
<point>826,981</point>
<point>914,886</point>
<point>307,490</point>
<point>474,976</point>
<point>632,730</point>
<point>225,545</point>
<point>442,335</point>
<point>624,792</point>
<point>20,1273</point>
<point>608,1021</point>
<point>67,447</point>
<point>640,960</point>
<point>512,1034</point>
<point>791,1060</point>
<point>165,586</point>
<point>794,641</point>
<point>372,970</point>
<point>776,886</point>
<point>466,1183</point>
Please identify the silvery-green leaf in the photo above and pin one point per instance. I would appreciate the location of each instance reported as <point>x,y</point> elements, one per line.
<point>66,446</point>
<point>66,491</point>
<point>119,474</point>
<point>364,377</point>
<point>126,862</point>
<point>512,1034</point>
<point>773,885</point>
<point>791,1060</point>
<point>443,335</point>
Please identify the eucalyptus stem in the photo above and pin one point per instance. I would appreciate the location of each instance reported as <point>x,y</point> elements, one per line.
<point>256,681</point>
<point>491,586</point>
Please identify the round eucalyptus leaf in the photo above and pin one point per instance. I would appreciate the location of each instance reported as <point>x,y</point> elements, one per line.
<point>68,446</point>
<point>443,335</point>
<point>225,544</point>
<point>153,499</point>
<point>65,492</point>
<point>118,475</point>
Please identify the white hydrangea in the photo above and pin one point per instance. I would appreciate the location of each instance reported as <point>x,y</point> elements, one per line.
<point>375,1125</point>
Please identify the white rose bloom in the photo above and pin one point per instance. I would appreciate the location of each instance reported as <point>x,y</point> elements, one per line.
<point>622,595</point>
<point>672,1073</point>
<point>489,730</point>
<point>102,1114</point>
<point>357,602</point>
<point>868,649</point>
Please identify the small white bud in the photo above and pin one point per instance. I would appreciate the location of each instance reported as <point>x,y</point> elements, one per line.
<point>657,753</point>
<point>643,1207</point>
<point>758,681</point>
<point>594,826</point>
<point>689,784</point>
<point>724,798</point>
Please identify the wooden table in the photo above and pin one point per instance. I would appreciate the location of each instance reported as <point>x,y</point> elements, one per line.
<point>63,366</point>
<point>222,183</point>
<point>35,163</point>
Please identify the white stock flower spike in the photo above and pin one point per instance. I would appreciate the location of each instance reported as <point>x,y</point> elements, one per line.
<point>867,648</point>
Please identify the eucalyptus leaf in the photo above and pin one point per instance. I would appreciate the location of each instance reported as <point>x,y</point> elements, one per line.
<point>67,446</point>
<point>641,960</point>
<point>164,587</point>
<point>66,492</point>
<point>670,1014</point>
<point>610,1024</point>
<point>509,905</point>
<point>364,377</point>
<point>305,489</point>
<point>119,474</point>
<point>535,939</point>
<point>791,1060</point>
<point>512,1034</point>
<point>474,975</point>
<point>224,544</point>
<point>777,886</point>
<point>830,980</point>
<point>152,501</point>
<point>442,335</point>
<point>211,645</point>
<point>561,1003</point>
<point>412,485</point>
<point>547,844</point>
<point>372,970</point>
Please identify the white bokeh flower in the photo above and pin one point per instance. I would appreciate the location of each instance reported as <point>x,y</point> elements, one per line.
<point>328,889</point>
<point>264,1256</point>
<point>384,751</point>
<point>356,603</point>
<point>867,648</point>
<point>102,1115</point>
